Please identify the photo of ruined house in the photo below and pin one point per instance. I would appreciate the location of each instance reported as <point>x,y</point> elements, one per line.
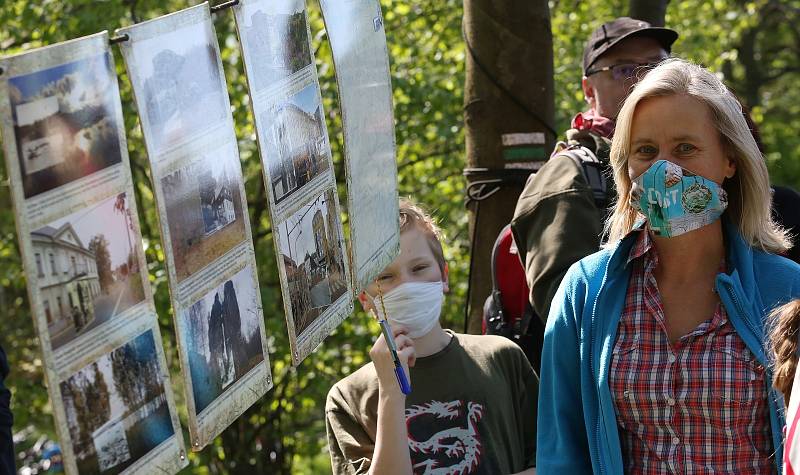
<point>275,41</point>
<point>204,210</point>
<point>65,122</point>
<point>222,337</point>
<point>116,408</point>
<point>182,93</point>
<point>87,268</point>
<point>311,254</point>
<point>293,140</point>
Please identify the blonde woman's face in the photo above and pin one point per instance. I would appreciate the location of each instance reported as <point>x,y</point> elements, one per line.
<point>678,129</point>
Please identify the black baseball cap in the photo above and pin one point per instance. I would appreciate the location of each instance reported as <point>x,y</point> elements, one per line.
<point>614,31</point>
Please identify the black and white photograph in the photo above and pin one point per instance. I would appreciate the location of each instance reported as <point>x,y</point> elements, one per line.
<point>274,37</point>
<point>179,89</point>
<point>222,337</point>
<point>87,266</point>
<point>117,408</point>
<point>204,209</point>
<point>293,140</point>
<point>311,254</point>
<point>65,122</point>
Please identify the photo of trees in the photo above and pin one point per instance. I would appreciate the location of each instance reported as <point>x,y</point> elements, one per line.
<point>222,337</point>
<point>116,407</point>
<point>276,37</point>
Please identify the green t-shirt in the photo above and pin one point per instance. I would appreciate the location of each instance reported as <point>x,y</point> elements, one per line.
<point>472,410</point>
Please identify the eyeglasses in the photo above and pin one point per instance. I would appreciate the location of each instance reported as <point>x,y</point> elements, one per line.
<point>624,71</point>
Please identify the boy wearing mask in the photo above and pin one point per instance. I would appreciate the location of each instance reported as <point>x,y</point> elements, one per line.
<point>472,408</point>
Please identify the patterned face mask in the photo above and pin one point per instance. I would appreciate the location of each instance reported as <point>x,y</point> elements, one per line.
<point>675,201</point>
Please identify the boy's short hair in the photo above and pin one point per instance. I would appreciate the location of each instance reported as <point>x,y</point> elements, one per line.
<point>413,215</point>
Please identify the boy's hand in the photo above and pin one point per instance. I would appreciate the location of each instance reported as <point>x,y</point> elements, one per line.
<point>384,365</point>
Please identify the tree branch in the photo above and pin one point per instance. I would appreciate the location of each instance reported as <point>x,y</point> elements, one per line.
<point>132,9</point>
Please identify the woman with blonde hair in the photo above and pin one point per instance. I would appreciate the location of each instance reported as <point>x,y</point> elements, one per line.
<point>654,356</point>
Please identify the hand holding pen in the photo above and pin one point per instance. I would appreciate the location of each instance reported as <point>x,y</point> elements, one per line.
<point>399,346</point>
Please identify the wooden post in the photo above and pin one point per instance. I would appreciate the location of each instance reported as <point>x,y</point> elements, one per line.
<point>508,112</point>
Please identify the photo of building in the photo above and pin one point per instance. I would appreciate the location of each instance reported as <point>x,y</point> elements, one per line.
<point>87,268</point>
<point>311,251</point>
<point>204,209</point>
<point>216,200</point>
<point>68,279</point>
<point>294,141</point>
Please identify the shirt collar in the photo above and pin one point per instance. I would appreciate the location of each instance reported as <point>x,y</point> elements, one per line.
<point>643,242</point>
<point>590,120</point>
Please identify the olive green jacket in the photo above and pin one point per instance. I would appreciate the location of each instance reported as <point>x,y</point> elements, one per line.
<point>556,221</point>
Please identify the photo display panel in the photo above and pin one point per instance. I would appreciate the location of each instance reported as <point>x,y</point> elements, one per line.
<point>361,58</point>
<point>174,66</point>
<point>78,229</point>
<point>298,171</point>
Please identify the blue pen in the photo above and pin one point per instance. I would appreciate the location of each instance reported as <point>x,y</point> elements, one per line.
<point>402,380</point>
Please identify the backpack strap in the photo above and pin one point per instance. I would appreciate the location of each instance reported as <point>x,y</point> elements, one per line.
<point>593,171</point>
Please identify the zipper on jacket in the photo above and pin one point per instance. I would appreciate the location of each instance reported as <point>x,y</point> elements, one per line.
<point>740,309</point>
<point>600,415</point>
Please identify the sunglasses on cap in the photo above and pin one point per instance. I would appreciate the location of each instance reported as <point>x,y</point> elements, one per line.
<point>625,70</point>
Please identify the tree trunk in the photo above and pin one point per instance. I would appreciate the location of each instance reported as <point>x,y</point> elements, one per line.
<point>508,113</point>
<point>652,11</point>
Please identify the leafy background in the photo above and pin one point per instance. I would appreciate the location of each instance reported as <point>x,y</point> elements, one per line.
<point>752,45</point>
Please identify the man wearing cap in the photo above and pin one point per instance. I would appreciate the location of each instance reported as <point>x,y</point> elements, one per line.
<point>559,216</point>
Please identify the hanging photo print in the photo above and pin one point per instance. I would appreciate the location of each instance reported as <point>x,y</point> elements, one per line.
<point>313,271</point>
<point>298,171</point>
<point>179,86</point>
<point>78,229</point>
<point>361,58</point>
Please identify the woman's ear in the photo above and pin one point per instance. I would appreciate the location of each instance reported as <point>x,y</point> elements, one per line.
<point>446,279</point>
<point>730,170</point>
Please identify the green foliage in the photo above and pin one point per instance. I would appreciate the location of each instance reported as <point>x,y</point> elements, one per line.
<point>284,432</point>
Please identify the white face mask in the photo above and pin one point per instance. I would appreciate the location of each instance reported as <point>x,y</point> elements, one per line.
<point>414,305</point>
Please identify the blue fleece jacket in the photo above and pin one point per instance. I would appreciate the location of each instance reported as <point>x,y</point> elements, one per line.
<point>577,425</point>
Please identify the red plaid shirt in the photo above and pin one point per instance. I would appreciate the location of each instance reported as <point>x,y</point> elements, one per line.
<point>696,406</point>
